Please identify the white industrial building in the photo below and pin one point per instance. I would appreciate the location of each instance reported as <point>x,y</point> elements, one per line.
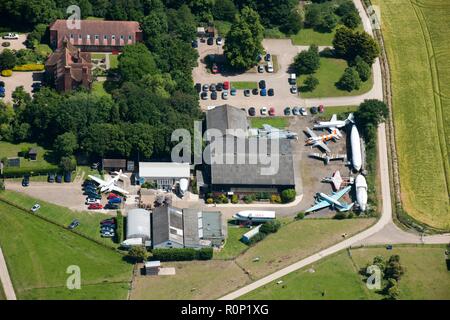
<point>139,225</point>
<point>166,175</point>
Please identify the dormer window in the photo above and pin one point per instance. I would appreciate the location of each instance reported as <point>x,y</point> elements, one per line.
<point>88,36</point>
<point>105,37</point>
<point>97,37</point>
<point>113,37</point>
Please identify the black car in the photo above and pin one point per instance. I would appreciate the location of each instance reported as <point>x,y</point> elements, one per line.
<point>255,92</point>
<point>262,84</point>
<point>252,111</point>
<point>247,92</point>
<point>2,84</point>
<point>26,181</point>
<point>194,44</point>
<point>313,110</point>
<point>219,86</point>
<point>268,57</point>
<point>204,95</point>
<point>51,178</point>
<point>214,95</point>
<point>270,92</point>
<point>210,41</point>
<point>58,178</point>
<point>205,87</point>
<point>75,223</point>
<point>212,88</point>
<point>111,206</point>
<point>287,111</point>
<point>198,87</point>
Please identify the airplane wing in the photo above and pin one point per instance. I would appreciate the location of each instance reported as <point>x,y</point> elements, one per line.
<point>98,180</point>
<point>120,190</point>
<point>311,133</point>
<point>322,204</point>
<point>322,145</point>
<point>339,194</point>
<point>333,118</point>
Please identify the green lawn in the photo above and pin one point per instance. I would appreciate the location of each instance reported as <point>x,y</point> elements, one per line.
<point>43,49</point>
<point>2,293</point>
<point>98,56</point>
<point>338,110</point>
<point>308,36</point>
<point>421,103</point>
<point>98,88</point>
<point>337,277</point>
<point>113,61</point>
<point>38,254</point>
<point>12,150</point>
<point>89,221</point>
<point>242,85</point>
<point>329,73</point>
<point>233,245</point>
<point>277,122</point>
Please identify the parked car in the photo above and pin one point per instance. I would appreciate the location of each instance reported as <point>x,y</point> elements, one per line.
<point>225,95</point>
<point>255,91</point>
<point>107,234</point>
<point>272,111</point>
<point>219,41</point>
<point>112,195</point>
<point>194,44</point>
<point>108,221</point>
<point>210,41</point>
<point>247,92</point>
<point>270,92</point>
<point>263,92</point>
<point>11,36</point>
<point>93,195</point>
<point>313,110</point>
<point>111,206</point>
<point>294,90</point>
<point>269,67</point>
<point>295,111</point>
<point>287,111</point>
<point>95,206</point>
<point>2,92</point>
<point>321,108</point>
<point>252,111</point>
<point>260,68</point>
<point>215,69</point>
<point>214,95</point>
<point>58,178</point>
<point>115,200</point>
<point>75,223</point>
<point>263,111</point>
<point>2,84</point>
<point>292,79</point>
<point>233,91</point>
<point>268,57</point>
<point>205,87</point>
<point>204,95</point>
<point>36,207</point>
<point>303,111</point>
<point>51,177</point>
<point>198,87</point>
<point>107,228</point>
<point>262,84</point>
<point>92,201</point>
<point>226,85</point>
<point>219,86</point>
<point>212,88</point>
<point>26,181</point>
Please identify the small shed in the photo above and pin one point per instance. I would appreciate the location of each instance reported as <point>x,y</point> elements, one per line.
<point>114,164</point>
<point>32,154</point>
<point>201,32</point>
<point>152,267</point>
<point>211,31</point>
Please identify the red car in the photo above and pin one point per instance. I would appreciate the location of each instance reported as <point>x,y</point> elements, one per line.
<point>112,195</point>
<point>95,206</point>
<point>272,111</point>
<point>321,108</point>
<point>215,69</point>
<point>226,85</point>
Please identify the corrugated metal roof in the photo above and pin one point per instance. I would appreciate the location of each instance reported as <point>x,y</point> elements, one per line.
<point>164,170</point>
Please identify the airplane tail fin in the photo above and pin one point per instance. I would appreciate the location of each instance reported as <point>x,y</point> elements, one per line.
<point>347,207</point>
<point>350,119</point>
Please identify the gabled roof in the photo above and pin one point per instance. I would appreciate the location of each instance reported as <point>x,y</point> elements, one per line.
<point>226,117</point>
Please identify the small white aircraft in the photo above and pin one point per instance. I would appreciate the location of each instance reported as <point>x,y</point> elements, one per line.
<point>337,180</point>
<point>323,201</point>
<point>319,141</point>
<point>110,185</point>
<point>334,123</point>
<point>275,133</point>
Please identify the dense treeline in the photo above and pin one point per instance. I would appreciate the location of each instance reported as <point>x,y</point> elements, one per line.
<point>153,96</point>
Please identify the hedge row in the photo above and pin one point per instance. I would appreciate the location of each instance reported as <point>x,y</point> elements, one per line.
<point>182,254</point>
<point>6,73</point>
<point>29,67</point>
<point>119,227</point>
<point>13,172</point>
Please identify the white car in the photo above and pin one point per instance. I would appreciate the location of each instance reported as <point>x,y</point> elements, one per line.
<point>269,67</point>
<point>91,201</point>
<point>225,95</point>
<point>263,111</point>
<point>11,36</point>
<point>303,111</point>
<point>294,90</point>
<point>292,78</point>
<point>36,207</point>
<point>260,68</point>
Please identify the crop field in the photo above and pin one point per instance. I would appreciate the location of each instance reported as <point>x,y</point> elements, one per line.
<point>38,254</point>
<point>337,277</point>
<point>419,58</point>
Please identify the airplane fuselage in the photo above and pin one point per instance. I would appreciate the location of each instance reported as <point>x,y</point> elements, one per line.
<point>330,200</point>
<point>323,138</point>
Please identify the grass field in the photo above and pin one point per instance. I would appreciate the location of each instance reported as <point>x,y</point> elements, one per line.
<point>242,85</point>
<point>233,246</point>
<point>113,61</point>
<point>330,71</point>
<point>277,122</point>
<point>89,221</point>
<point>98,88</point>
<point>337,277</point>
<point>421,103</point>
<point>329,111</point>
<point>2,293</point>
<point>38,254</point>
<point>12,150</point>
<point>98,56</point>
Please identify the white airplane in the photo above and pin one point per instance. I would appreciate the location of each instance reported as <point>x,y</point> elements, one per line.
<point>361,192</point>
<point>334,123</point>
<point>254,216</point>
<point>319,141</point>
<point>323,201</point>
<point>337,180</point>
<point>276,133</point>
<point>110,185</point>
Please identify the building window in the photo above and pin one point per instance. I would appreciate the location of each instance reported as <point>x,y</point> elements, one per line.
<point>88,36</point>
<point>130,37</point>
<point>113,37</point>
<point>80,36</point>
<point>71,36</point>
<point>105,37</point>
<point>122,37</point>
<point>97,37</point>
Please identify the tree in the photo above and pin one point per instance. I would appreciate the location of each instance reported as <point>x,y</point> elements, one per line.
<point>391,290</point>
<point>288,195</point>
<point>20,98</point>
<point>7,59</point>
<point>300,215</point>
<point>293,23</point>
<point>327,22</point>
<point>310,83</point>
<point>363,69</point>
<point>351,20</point>
<point>154,26</point>
<point>135,62</point>
<point>270,227</point>
<point>138,254</point>
<point>68,164</point>
<point>224,10</point>
<point>349,45</point>
<point>394,270</point>
<point>350,80</point>
<point>65,144</point>
<point>371,112</point>
<point>182,23</point>
<point>307,62</point>
<point>274,12</point>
